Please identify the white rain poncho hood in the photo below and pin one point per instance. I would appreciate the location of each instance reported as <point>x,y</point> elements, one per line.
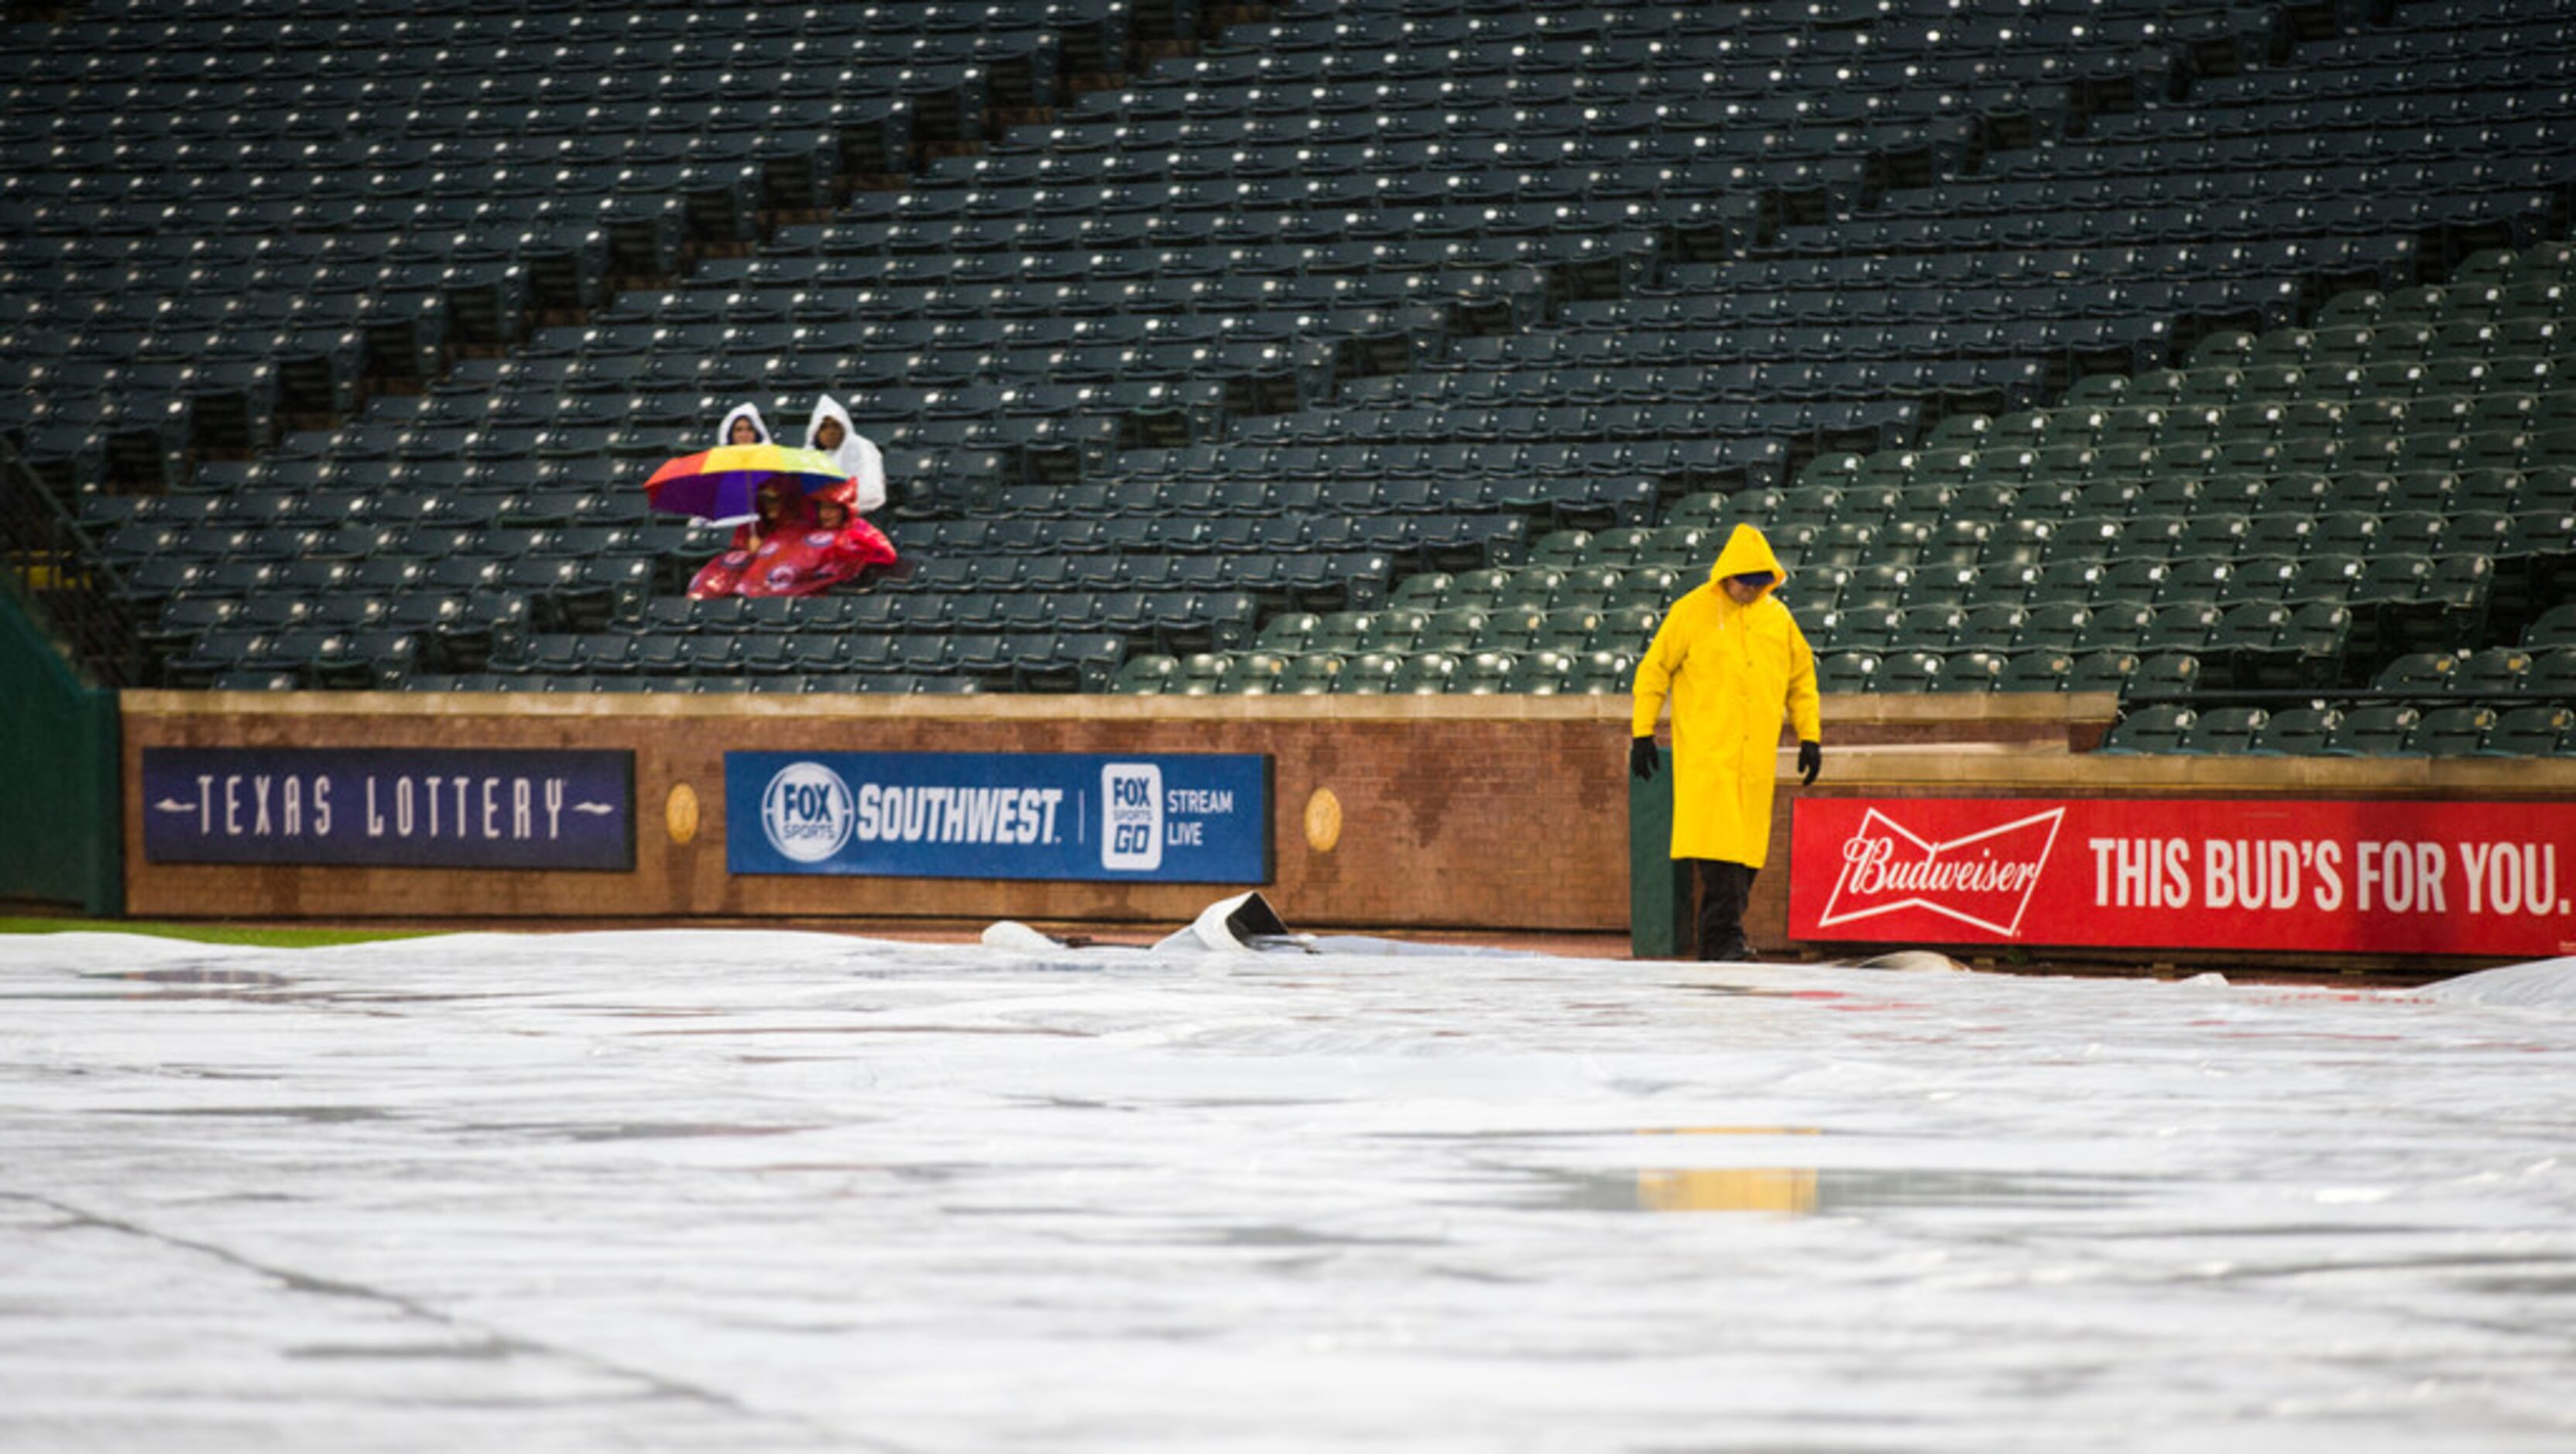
<point>859,458</point>
<point>724,431</point>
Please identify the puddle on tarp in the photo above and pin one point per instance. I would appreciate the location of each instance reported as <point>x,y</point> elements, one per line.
<point>1805,1190</point>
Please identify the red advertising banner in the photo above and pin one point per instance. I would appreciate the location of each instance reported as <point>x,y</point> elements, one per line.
<point>2187,873</point>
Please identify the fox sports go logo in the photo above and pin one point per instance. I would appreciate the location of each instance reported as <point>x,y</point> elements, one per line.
<point>806,812</point>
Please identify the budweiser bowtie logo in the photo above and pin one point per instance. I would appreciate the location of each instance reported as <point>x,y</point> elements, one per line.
<point>1983,879</point>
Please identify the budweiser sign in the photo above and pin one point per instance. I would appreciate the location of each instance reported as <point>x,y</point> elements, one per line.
<point>2376,877</point>
<point>1983,879</point>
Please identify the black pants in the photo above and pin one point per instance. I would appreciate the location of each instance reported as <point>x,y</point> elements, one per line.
<point>1723,889</point>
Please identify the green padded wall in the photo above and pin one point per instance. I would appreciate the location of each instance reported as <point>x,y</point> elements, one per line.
<point>1658,887</point>
<point>59,819</point>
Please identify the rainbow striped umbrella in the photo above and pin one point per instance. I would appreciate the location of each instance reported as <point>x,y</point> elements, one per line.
<point>719,483</point>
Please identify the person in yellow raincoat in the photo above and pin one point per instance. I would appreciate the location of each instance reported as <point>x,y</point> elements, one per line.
<point>1734,662</point>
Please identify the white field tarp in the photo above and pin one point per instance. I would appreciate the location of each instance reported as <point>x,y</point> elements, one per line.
<point>735,1191</point>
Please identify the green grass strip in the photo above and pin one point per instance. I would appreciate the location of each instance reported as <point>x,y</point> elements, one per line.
<point>264,935</point>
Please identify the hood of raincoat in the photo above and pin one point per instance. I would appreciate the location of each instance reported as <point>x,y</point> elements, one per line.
<point>857,456</point>
<point>724,431</point>
<point>1747,551</point>
<point>850,451</point>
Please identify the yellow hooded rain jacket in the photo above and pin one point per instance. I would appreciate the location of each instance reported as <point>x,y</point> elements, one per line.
<point>1732,672</point>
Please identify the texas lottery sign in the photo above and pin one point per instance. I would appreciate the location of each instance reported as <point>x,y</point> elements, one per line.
<point>1170,818</point>
<point>2187,873</point>
<point>412,807</point>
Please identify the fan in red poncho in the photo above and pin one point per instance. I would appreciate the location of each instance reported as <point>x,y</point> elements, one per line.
<point>835,547</point>
<point>805,545</point>
<point>782,512</point>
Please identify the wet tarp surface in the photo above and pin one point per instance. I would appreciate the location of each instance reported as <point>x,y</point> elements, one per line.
<point>735,1191</point>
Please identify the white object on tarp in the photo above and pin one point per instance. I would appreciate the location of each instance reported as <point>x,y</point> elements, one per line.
<point>2547,984</point>
<point>1018,938</point>
<point>1244,924</point>
<point>1916,959</point>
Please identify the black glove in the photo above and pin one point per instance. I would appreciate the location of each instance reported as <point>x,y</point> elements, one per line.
<point>1811,760</point>
<point>1643,759</point>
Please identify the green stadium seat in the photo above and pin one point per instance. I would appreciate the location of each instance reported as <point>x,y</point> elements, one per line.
<point>2327,576</point>
<point>1483,587</point>
<point>1540,673</point>
<point>1289,632</point>
<point>2180,628</point>
<point>2374,731</point>
<point>1258,674</point>
<point>1430,673</point>
<point>2498,669</point>
<point>2419,673</point>
<point>1691,549</point>
<point>1620,546</point>
<point>1626,628</point>
<point>2151,729</point>
<point>1972,671</point>
<point>2036,671</point>
<point>1531,586</point>
<point>1422,591</point>
<point>1571,629</point>
<point>2310,651</point>
<point>1927,628</point>
<point>1484,673</point>
<point>2531,732</point>
<point>1991,628</point>
<point>1312,673</point>
<point>1371,673</point>
<point>2551,629</point>
<point>2553,674</point>
<point>2120,626</point>
<point>1843,672</point>
<point>2298,732</point>
<point>1147,674</point>
<point>2019,540</point>
<point>2259,580</point>
<point>1872,630</point>
<point>1863,588</point>
<point>2101,671</point>
<point>1601,673</point>
<point>1910,671</point>
<point>1456,629</point>
<point>1589,585</point>
<point>1342,633</point>
<point>2229,731</point>
<point>2245,636</point>
<point>2133,580</point>
<point>1394,629</point>
<point>2452,731</point>
<point>2166,673</point>
<point>1202,674</point>
<point>2064,581</point>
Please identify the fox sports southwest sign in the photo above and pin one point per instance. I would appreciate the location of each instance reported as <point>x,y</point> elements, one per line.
<point>1175,818</point>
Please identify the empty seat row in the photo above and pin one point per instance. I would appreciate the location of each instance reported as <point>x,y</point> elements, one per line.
<point>2363,731</point>
<point>1370,673</point>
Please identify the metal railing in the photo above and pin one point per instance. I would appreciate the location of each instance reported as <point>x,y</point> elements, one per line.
<point>59,574</point>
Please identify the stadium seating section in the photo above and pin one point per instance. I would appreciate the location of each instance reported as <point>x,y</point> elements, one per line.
<point>1393,346</point>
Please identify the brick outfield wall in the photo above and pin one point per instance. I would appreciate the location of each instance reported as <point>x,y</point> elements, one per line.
<point>1510,816</point>
<point>1481,813</point>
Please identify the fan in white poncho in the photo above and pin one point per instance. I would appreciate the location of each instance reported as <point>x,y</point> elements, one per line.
<point>743,414</point>
<point>831,431</point>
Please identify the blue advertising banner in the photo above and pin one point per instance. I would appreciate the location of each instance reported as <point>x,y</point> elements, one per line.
<point>414,807</point>
<point>1171,818</point>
